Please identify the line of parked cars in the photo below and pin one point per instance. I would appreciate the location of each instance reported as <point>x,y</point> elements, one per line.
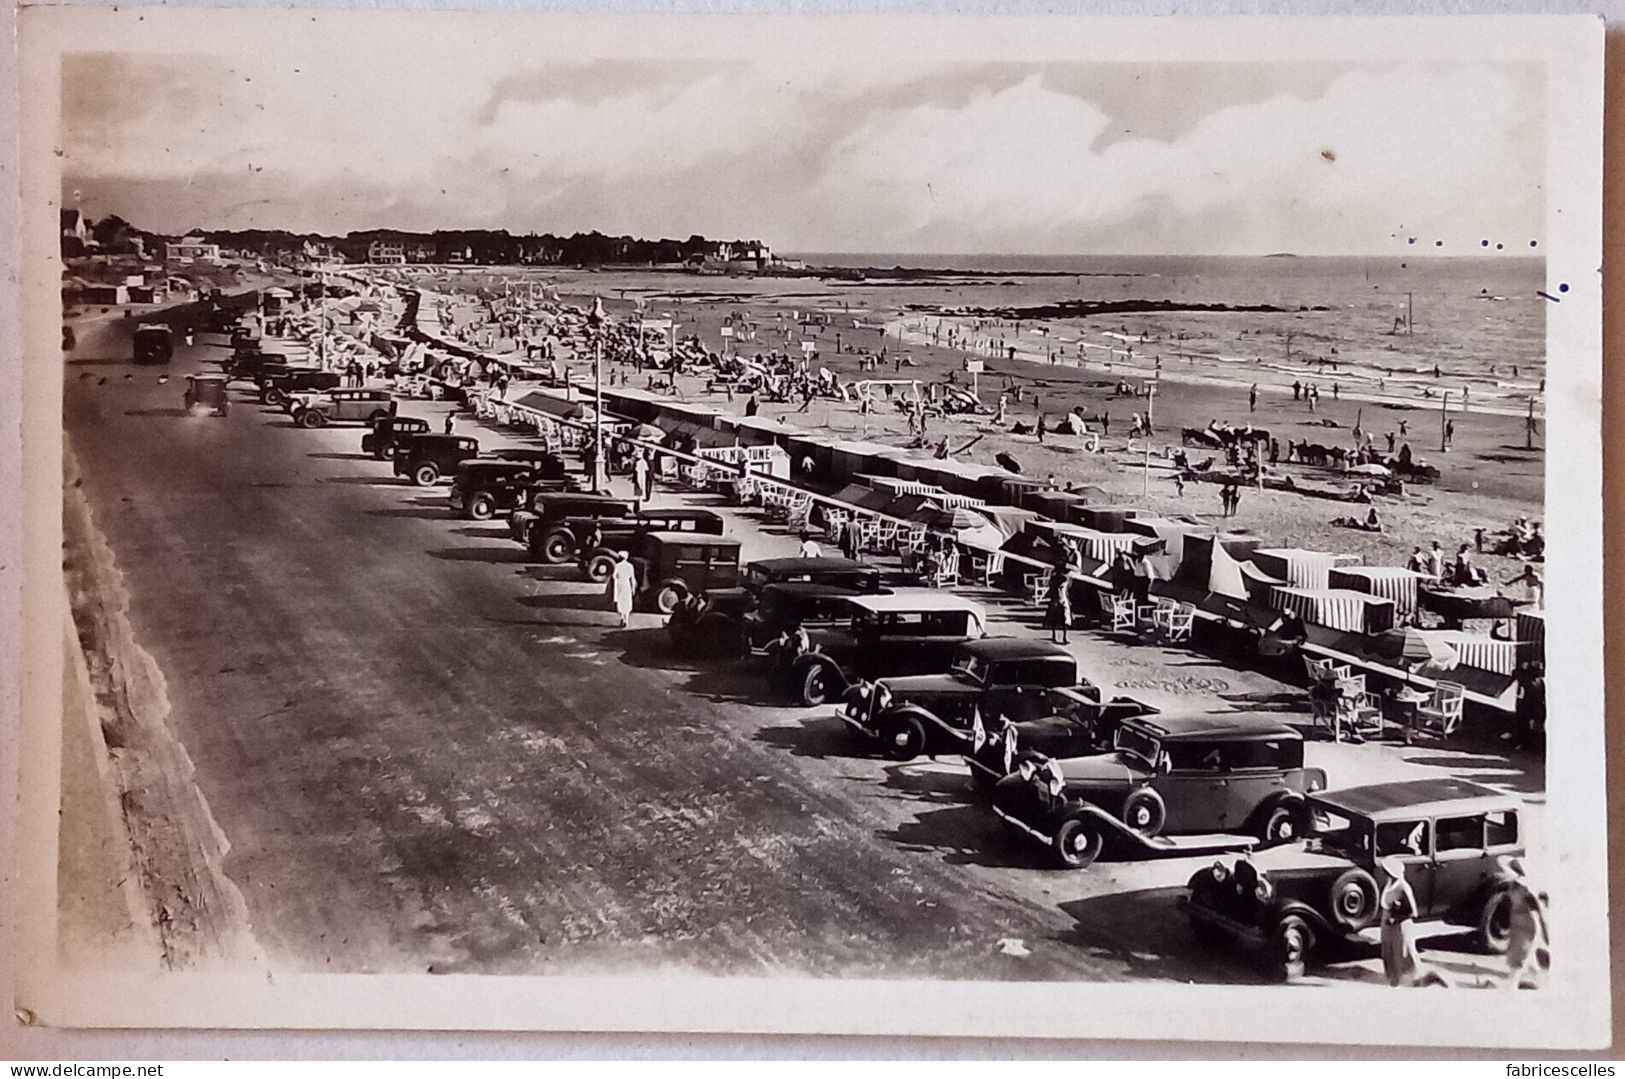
<point>1081,773</point>
<point>1076,771</point>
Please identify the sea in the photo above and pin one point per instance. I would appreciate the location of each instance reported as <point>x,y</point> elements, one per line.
<point>1425,323</point>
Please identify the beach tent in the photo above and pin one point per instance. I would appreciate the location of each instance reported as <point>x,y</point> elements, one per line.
<point>1105,516</point>
<point>1296,566</point>
<point>1390,582</point>
<point>1170,531</point>
<point>1199,548</point>
<point>1335,608</point>
<point>1007,519</point>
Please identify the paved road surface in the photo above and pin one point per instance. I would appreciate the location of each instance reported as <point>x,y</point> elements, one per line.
<point>427,754</point>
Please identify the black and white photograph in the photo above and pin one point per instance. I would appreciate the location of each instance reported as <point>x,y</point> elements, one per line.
<point>887,524</point>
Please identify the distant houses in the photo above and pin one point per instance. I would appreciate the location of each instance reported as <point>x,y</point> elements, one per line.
<point>386,253</point>
<point>191,248</point>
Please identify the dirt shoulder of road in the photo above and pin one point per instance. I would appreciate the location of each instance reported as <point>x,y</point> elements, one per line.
<point>180,910</point>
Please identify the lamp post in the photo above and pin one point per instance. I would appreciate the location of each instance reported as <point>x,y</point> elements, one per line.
<point>595,319</point>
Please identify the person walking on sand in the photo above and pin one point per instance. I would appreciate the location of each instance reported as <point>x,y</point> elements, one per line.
<point>1297,389</point>
<point>1235,499</point>
<point>1058,606</point>
<point>1449,434</point>
<point>451,422</point>
<point>623,580</point>
<point>1252,398</point>
<point>1040,428</point>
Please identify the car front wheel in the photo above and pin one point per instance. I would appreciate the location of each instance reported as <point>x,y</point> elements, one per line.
<point>557,548</point>
<point>667,599</point>
<point>311,418</point>
<point>1078,843</point>
<point>425,475</point>
<point>599,567</point>
<point>903,737</point>
<point>814,685</point>
<point>481,507</point>
<point>1145,812</point>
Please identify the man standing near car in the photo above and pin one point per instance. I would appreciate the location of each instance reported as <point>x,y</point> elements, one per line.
<point>642,480</point>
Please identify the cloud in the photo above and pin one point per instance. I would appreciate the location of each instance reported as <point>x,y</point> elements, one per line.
<point>838,153</point>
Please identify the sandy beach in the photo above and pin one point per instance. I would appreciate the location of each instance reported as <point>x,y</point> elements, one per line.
<point>1488,476</point>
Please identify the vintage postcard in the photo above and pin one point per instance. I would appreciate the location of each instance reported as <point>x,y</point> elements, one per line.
<point>966,525</point>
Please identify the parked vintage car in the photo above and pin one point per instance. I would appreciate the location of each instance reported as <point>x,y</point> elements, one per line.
<point>389,432</point>
<point>705,628</point>
<point>735,608</point>
<point>483,486</point>
<point>424,459</point>
<point>784,606</point>
<point>935,713</point>
<point>152,342</point>
<point>275,387</point>
<point>1451,837</point>
<point>910,631</point>
<point>1219,782</point>
<point>555,524</point>
<point>1072,721</point>
<point>599,538</point>
<point>345,406</point>
<point>246,364</point>
<point>671,566</point>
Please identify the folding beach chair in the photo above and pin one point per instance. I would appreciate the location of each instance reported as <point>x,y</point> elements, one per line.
<point>1440,715</point>
<point>1180,620</point>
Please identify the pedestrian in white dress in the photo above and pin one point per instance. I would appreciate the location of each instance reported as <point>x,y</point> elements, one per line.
<point>622,584</point>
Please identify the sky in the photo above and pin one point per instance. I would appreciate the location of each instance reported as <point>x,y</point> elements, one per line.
<point>836,154</point>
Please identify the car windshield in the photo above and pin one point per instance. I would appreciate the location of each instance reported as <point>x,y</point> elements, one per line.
<point>971,668</point>
<point>1139,743</point>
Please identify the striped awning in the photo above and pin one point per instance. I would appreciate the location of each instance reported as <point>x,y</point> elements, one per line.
<point>1104,546</point>
<point>1335,608</point>
<point>1297,567</point>
<point>1388,582</point>
<point>1482,651</point>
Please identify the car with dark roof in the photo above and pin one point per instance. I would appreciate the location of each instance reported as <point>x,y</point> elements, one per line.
<point>425,458</point>
<point>248,362</point>
<point>600,538</point>
<point>277,386</point>
<point>1452,839</point>
<point>344,406</point>
<point>672,566</point>
<point>1173,784</point>
<point>389,432</point>
<point>554,524</point>
<point>484,486</point>
<point>152,342</point>
<point>909,631</point>
<point>990,682</point>
<point>819,583</point>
